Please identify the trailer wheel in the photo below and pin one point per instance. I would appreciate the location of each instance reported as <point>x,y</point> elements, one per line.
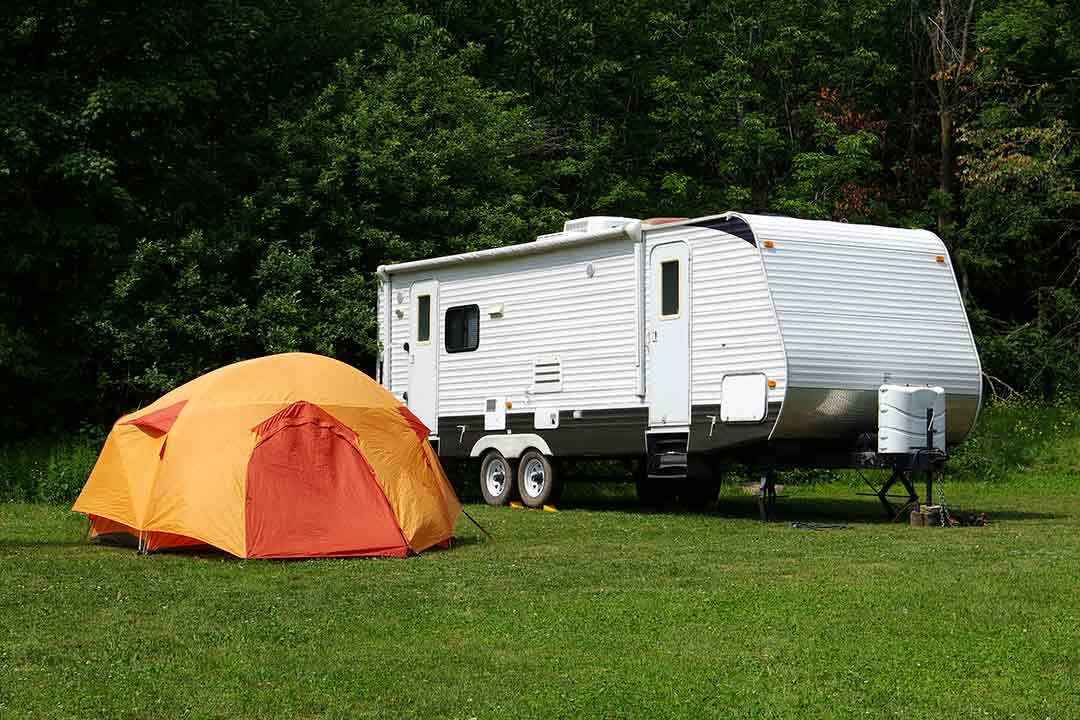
<point>496,478</point>
<point>696,493</point>
<point>538,484</point>
<point>702,483</point>
<point>651,492</point>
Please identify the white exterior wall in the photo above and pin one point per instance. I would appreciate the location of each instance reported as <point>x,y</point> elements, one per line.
<point>733,327</point>
<point>550,307</point>
<point>380,323</point>
<point>830,312</point>
<point>861,305</point>
<point>399,335</point>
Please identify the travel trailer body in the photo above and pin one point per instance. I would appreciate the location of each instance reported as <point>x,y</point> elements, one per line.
<point>761,338</point>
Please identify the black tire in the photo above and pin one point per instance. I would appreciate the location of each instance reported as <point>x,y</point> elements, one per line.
<point>538,484</point>
<point>651,492</point>
<point>496,492</point>
<point>702,483</point>
<point>698,493</point>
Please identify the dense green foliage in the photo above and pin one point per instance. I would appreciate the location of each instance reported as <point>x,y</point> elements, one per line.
<point>185,185</point>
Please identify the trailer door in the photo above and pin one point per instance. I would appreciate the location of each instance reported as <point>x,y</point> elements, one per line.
<point>423,398</point>
<point>669,335</point>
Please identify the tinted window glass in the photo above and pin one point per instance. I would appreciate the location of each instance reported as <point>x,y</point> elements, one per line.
<point>669,287</point>
<point>462,328</point>
<point>423,318</point>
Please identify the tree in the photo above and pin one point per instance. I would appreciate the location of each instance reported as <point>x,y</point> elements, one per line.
<point>1019,164</point>
<point>950,30</point>
<point>125,124</point>
<point>402,155</point>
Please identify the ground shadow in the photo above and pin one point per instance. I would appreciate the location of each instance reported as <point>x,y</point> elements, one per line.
<point>204,552</point>
<point>790,507</point>
<point>207,551</point>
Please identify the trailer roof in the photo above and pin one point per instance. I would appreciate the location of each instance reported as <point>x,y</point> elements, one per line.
<point>631,231</point>
<point>762,227</point>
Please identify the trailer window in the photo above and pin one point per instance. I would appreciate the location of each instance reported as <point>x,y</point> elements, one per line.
<point>462,328</point>
<point>423,318</point>
<point>669,288</point>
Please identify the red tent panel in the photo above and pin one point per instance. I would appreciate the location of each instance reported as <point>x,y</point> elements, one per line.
<point>311,492</point>
<point>158,422</point>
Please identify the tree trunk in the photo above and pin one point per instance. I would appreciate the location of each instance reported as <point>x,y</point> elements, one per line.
<point>946,171</point>
<point>946,229</point>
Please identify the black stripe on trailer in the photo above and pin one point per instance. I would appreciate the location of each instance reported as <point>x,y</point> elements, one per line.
<point>707,436</point>
<point>608,432</point>
<point>731,225</point>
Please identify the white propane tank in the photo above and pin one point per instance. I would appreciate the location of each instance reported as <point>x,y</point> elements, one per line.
<point>902,418</point>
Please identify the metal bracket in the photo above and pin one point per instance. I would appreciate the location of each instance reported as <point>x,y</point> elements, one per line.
<point>882,493</point>
<point>767,496</point>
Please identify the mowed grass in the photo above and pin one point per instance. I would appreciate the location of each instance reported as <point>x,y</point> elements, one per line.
<point>598,610</point>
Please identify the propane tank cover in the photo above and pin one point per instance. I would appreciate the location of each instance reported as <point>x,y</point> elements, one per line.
<point>902,417</point>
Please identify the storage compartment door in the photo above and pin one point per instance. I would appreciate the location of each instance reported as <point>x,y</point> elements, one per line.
<point>744,398</point>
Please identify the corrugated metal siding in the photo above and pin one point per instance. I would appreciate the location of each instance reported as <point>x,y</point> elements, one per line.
<point>861,305</point>
<point>550,307</point>
<point>732,327</point>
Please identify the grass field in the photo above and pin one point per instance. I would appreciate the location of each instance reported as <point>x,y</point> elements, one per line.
<point>598,610</point>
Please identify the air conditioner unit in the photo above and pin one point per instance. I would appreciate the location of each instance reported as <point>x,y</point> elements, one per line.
<point>594,224</point>
<point>587,226</point>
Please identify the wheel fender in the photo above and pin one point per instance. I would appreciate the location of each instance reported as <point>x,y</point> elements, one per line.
<point>511,446</point>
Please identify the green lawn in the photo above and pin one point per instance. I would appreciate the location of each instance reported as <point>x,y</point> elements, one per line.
<point>599,610</point>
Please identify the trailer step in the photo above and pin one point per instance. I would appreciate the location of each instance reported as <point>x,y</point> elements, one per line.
<point>667,454</point>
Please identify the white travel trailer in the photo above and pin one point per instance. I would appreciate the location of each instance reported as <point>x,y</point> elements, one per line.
<point>772,341</point>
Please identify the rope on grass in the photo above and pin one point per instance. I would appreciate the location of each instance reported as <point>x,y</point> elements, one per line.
<point>473,520</point>
<point>818,526</point>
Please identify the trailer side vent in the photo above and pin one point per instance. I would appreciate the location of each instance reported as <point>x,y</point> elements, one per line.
<point>547,374</point>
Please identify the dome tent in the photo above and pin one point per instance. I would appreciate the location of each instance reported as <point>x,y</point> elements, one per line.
<point>292,455</point>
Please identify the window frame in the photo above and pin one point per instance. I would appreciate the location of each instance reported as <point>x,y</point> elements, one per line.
<point>677,262</point>
<point>452,348</point>
<point>419,315</point>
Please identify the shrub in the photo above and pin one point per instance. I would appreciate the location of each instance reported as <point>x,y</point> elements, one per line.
<point>53,472</point>
<point>1014,434</point>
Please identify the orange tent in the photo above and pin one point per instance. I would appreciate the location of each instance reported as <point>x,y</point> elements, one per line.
<point>292,455</point>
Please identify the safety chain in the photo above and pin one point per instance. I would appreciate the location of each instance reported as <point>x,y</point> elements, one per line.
<point>941,501</point>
